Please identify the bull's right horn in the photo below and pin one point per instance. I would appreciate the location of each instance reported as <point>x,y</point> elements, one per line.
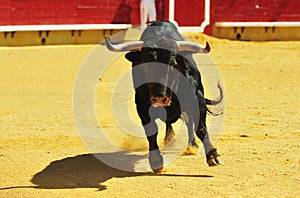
<point>123,47</point>
<point>193,47</point>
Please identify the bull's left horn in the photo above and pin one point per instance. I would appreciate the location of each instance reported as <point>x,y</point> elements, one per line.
<point>193,47</point>
<point>123,47</point>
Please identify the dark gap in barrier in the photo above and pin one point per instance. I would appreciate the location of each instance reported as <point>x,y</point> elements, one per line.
<point>43,41</point>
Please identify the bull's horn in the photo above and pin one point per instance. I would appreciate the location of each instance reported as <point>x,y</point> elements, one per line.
<point>193,47</point>
<point>123,47</point>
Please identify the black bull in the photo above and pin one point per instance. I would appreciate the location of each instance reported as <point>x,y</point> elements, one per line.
<point>168,86</point>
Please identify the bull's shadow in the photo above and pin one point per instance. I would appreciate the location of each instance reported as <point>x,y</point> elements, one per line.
<point>86,171</point>
<point>82,171</point>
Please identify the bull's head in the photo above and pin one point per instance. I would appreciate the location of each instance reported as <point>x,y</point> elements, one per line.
<point>154,53</point>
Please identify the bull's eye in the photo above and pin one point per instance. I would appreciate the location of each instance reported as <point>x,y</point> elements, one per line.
<point>174,62</point>
<point>152,54</point>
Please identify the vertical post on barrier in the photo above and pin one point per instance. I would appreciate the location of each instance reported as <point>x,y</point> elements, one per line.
<point>171,10</point>
<point>206,16</point>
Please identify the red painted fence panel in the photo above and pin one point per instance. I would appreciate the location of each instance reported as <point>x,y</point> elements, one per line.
<point>255,10</point>
<point>189,13</point>
<point>36,12</point>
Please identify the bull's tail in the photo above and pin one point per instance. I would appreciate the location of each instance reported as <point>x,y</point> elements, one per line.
<point>217,109</point>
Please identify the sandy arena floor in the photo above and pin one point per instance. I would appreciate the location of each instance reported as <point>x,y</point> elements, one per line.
<point>42,155</point>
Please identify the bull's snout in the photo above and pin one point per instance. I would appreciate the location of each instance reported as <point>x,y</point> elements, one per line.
<point>160,101</point>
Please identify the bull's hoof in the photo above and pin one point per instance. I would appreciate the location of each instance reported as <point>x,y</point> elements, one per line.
<point>156,161</point>
<point>190,150</point>
<point>213,158</point>
<point>194,144</point>
<point>160,170</point>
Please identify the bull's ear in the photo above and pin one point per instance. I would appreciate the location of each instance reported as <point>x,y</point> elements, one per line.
<point>133,56</point>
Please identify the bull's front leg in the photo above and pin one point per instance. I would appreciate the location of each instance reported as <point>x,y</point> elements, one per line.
<point>151,131</point>
<point>155,157</point>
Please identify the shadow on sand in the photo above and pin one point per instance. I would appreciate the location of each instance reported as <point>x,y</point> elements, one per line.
<point>82,171</point>
<point>86,171</point>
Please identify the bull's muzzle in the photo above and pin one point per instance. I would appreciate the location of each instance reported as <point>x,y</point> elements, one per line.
<point>160,101</point>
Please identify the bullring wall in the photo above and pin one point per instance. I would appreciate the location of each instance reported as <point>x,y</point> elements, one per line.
<point>243,20</point>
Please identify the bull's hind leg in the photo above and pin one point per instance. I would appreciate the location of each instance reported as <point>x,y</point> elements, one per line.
<point>169,133</point>
<point>212,156</point>
<point>192,147</point>
<point>189,122</point>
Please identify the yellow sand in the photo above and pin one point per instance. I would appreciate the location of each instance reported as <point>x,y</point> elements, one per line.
<point>42,155</point>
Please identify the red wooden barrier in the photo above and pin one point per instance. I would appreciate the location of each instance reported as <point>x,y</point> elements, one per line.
<point>255,10</point>
<point>36,12</point>
<point>187,13</point>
